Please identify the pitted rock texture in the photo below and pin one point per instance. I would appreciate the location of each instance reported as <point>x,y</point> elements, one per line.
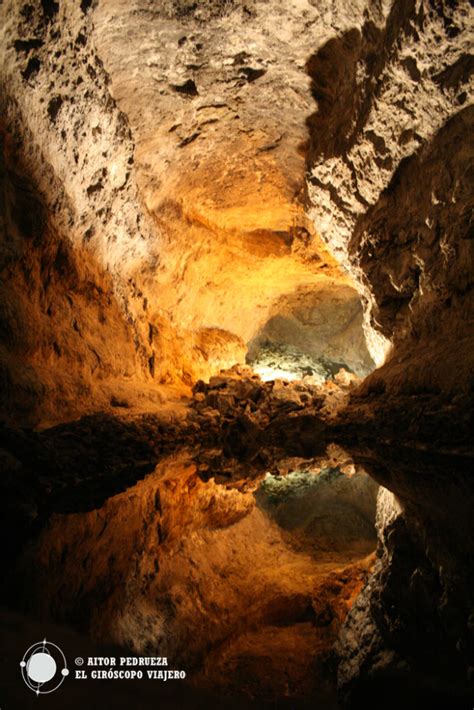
<point>174,177</point>
<point>187,195</point>
<point>169,178</point>
<point>66,176</point>
<point>389,187</point>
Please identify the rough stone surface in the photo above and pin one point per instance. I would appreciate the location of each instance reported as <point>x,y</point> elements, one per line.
<point>323,325</point>
<point>182,183</point>
<point>162,188</point>
<point>391,156</point>
<point>411,625</point>
<point>390,190</point>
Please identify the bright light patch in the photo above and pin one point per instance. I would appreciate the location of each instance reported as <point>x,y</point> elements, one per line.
<point>270,373</point>
<point>280,361</point>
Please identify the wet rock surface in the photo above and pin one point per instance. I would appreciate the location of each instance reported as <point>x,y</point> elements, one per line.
<point>236,427</point>
<point>411,625</point>
<point>197,571</point>
<point>258,451</point>
<point>51,476</point>
<point>178,540</point>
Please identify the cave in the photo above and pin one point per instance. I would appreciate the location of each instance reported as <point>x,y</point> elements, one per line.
<point>236,354</point>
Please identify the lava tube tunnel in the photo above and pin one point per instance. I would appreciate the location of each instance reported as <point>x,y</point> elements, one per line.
<point>236,354</point>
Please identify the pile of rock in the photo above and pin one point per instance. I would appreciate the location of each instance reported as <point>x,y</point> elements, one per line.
<point>238,418</point>
<point>284,358</point>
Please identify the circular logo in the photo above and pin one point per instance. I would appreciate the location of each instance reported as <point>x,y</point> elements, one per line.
<point>43,667</point>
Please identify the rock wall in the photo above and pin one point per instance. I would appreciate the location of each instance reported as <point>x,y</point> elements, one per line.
<point>186,195</point>
<point>156,211</point>
<point>411,627</point>
<point>389,187</point>
<point>324,324</point>
<point>165,179</point>
<point>72,225</point>
<point>390,190</point>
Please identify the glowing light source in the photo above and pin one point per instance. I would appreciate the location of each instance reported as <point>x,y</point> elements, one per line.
<point>270,373</point>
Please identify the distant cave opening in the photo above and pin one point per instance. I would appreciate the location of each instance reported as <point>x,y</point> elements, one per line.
<point>246,277</point>
<point>313,335</point>
<point>263,290</point>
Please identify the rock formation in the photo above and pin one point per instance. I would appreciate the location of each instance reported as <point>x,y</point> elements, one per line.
<point>199,202</point>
